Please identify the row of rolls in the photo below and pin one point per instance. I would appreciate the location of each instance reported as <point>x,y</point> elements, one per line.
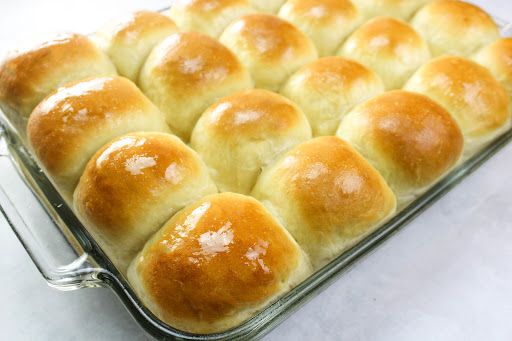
<point>219,154</point>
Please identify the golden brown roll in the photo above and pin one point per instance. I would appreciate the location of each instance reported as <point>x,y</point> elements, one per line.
<point>410,139</point>
<point>477,101</point>
<point>70,125</point>
<point>326,22</point>
<point>267,6</point>
<point>29,76</point>
<point>455,27</point>
<point>388,46</point>
<point>129,40</point>
<point>497,57</point>
<point>188,72</point>
<point>209,17</point>
<point>132,185</point>
<point>401,9</point>
<point>330,87</point>
<point>271,48</point>
<point>241,133</point>
<point>327,195</point>
<point>216,263</point>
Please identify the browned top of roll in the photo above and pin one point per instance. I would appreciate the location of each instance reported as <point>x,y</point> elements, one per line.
<point>216,257</point>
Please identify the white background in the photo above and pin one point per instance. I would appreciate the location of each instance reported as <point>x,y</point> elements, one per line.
<point>447,276</point>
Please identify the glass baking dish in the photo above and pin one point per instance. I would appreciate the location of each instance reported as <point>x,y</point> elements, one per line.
<point>68,257</point>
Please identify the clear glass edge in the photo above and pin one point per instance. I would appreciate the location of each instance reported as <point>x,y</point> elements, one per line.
<point>93,268</point>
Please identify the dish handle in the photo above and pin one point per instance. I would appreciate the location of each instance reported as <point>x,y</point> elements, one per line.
<point>54,256</point>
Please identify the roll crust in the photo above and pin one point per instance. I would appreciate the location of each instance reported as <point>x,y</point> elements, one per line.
<point>129,40</point>
<point>28,76</point>
<point>410,139</point>
<point>477,101</point>
<point>241,133</point>
<point>497,57</point>
<point>208,17</point>
<point>327,195</point>
<point>388,46</point>
<point>271,48</point>
<point>330,87</point>
<point>215,262</point>
<point>186,73</point>
<point>326,22</point>
<point>70,125</point>
<point>455,27</point>
<point>132,185</point>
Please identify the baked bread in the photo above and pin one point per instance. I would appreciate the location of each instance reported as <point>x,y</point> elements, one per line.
<point>497,57</point>
<point>400,9</point>
<point>410,139</point>
<point>455,27</point>
<point>477,101</point>
<point>70,125</point>
<point>209,17</point>
<point>271,48</point>
<point>328,88</point>
<point>26,77</point>
<point>132,185</point>
<point>188,72</point>
<point>326,22</point>
<point>241,133</point>
<point>215,263</point>
<point>129,40</point>
<point>267,6</point>
<point>327,195</point>
<point>388,46</point>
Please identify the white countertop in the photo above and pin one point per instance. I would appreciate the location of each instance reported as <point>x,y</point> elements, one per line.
<point>446,276</point>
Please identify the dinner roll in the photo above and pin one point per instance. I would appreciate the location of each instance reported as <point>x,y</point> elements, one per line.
<point>186,73</point>
<point>129,40</point>
<point>216,263</point>
<point>455,27</point>
<point>401,9</point>
<point>209,17</point>
<point>70,125</point>
<point>271,48</point>
<point>240,134</point>
<point>328,88</point>
<point>497,57</point>
<point>326,22</point>
<point>327,195</point>
<point>389,47</point>
<point>267,6</point>
<point>29,76</point>
<point>477,101</point>
<point>132,185</point>
<point>410,139</point>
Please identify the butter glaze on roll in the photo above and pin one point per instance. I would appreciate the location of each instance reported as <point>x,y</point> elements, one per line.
<point>326,22</point>
<point>241,133</point>
<point>216,263</point>
<point>497,57</point>
<point>327,195</point>
<point>388,46</point>
<point>209,17</point>
<point>267,6</point>
<point>70,125</point>
<point>129,40</point>
<point>330,87</point>
<point>400,9</point>
<point>188,72</point>
<point>477,101</point>
<point>455,27</point>
<point>132,185</point>
<point>271,48</point>
<point>27,77</point>
<point>410,139</point>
